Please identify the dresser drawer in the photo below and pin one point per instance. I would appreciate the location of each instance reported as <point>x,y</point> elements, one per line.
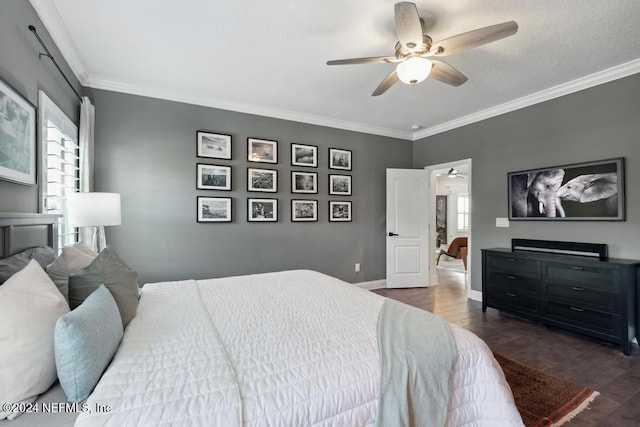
<point>507,297</point>
<point>574,314</point>
<point>583,295</point>
<point>590,276</point>
<point>516,266</point>
<point>513,280</point>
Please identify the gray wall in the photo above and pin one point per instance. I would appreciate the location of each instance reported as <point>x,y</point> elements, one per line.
<point>146,150</point>
<point>594,124</point>
<point>21,68</point>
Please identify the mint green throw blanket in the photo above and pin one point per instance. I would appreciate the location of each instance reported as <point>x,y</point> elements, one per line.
<point>417,354</point>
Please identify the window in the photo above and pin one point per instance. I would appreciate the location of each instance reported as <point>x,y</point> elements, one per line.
<point>60,165</point>
<point>463,212</point>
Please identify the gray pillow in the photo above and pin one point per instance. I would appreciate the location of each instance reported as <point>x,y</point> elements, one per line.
<point>110,270</point>
<point>72,259</point>
<point>44,255</point>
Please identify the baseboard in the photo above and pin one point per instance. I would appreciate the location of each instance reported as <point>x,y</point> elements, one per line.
<point>374,284</point>
<point>475,295</point>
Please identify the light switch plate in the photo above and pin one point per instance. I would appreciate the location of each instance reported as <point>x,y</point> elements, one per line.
<point>502,222</point>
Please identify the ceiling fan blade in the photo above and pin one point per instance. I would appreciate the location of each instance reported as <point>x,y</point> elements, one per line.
<point>474,38</point>
<point>388,81</point>
<point>369,60</point>
<point>408,25</point>
<point>445,73</point>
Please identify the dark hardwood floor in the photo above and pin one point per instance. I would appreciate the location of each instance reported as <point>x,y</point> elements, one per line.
<point>580,359</point>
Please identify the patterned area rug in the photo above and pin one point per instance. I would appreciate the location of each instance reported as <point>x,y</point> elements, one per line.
<point>541,398</point>
<point>451,264</point>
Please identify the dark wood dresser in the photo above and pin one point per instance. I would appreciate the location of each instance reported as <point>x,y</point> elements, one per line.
<point>581,294</point>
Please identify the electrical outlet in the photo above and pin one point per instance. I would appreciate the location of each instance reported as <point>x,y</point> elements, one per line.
<point>358,267</point>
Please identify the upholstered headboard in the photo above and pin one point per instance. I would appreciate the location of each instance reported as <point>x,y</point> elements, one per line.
<point>19,231</point>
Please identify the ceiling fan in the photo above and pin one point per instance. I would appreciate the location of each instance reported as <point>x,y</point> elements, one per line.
<point>454,173</point>
<point>418,58</point>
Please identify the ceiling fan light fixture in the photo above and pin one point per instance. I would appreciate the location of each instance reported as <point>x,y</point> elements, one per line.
<point>414,70</point>
<point>452,173</point>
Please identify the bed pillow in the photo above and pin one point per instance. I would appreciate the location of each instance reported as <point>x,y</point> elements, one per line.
<point>110,270</point>
<point>85,342</point>
<point>11,265</point>
<point>72,259</point>
<point>30,305</point>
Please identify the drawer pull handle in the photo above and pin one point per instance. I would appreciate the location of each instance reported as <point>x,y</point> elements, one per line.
<point>510,294</point>
<point>511,277</point>
<point>511,259</point>
<point>576,288</point>
<point>577,309</point>
<point>575,267</point>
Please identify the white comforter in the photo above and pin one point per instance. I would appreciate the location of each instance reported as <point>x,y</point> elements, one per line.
<point>293,348</point>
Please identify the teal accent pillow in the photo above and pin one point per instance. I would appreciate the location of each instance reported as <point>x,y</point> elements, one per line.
<point>108,269</point>
<point>85,341</point>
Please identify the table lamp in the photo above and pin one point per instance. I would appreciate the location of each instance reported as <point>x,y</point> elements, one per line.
<point>96,210</point>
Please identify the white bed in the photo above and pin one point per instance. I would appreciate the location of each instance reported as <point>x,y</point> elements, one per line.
<point>291,348</point>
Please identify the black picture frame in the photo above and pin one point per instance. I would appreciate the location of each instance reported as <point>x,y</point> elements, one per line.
<point>262,150</point>
<point>589,191</point>
<point>304,155</point>
<point>304,210</point>
<point>213,177</point>
<point>340,185</point>
<point>213,145</point>
<point>340,211</point>
<point>340,159</point>
<point>214,209</point>
<point>18,136</point>
<point>262,180</point>
<point>304,182</point>
<point>262,210</point>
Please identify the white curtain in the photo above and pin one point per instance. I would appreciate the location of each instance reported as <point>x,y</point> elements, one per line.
<point>87,124</point>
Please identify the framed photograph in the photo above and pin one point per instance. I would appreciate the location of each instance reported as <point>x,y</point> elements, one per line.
<point>213,177</point>
<point>304,182</point>
<point>592,191</point>
<point>214,209</point>
<point>262,180</point>
<point>340,185</point>
<point>17,137</point>
<point>304,210</point>
<point>214,145</point>
<point>339,211</point>
<point>262,210</point>
<point>339,159</point>
<point>262,150</point>
<point>304,155</point>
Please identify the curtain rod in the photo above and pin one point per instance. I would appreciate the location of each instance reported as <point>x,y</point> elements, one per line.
<point>48,55</point>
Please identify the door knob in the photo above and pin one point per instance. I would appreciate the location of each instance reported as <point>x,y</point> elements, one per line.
<point>392,234</point>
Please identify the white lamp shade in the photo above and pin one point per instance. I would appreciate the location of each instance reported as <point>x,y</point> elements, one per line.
<point>414,70</point>
<point>94,209</point>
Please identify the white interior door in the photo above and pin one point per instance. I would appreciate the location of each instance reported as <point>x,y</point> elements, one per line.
<point>407,228</point>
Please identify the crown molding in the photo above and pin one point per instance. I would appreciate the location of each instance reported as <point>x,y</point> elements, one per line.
<point>178,96</point>
<point>48,14</point>
<point>610,74</point>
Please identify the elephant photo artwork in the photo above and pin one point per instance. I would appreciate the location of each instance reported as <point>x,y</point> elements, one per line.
<point>585,191</point>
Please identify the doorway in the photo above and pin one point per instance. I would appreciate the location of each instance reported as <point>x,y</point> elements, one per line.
<point>450,221</point>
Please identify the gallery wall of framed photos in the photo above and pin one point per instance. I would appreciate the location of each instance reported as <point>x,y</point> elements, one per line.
<point>306,173</point>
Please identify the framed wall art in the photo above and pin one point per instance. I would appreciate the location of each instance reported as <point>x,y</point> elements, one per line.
<point>304,210</point>
<point>213,177</point>
<point>214,145</point>
<point>304,182</point>
<point>214,209</point>
<point>339,159</point>
<point>262,180</point>
<point>262,150</point>
<point>340,185</point>
<point>591,191</point>
<point>339,211</point>
<point>17,137</point>
<point>262,210</point>
<point>304,155</point>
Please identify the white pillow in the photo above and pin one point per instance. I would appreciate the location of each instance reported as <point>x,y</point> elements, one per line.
<point>30,305</point>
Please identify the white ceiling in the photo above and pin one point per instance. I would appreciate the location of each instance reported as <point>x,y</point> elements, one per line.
<point>268,57</point>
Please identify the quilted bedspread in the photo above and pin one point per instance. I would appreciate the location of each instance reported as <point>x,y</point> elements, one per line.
<point>293,348</point>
